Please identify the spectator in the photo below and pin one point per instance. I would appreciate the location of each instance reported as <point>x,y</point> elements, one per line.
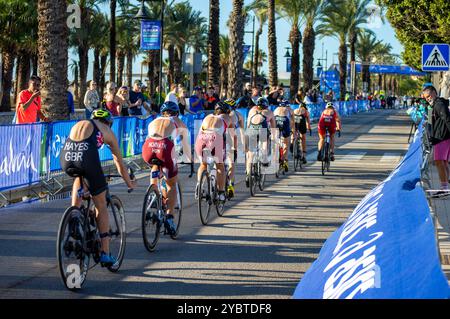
<point>266,93</point>
<point>217,91</point>
<point>245,101</point>
<point>70,103</point>
<point>196,101</point>
<point>173,94</point>
<point>113,102</point>
<point>299,97</point>
<point>28,108</point>
<point>91,99</point>
<point>137,100</point>
<point>158,99</point>
<point>256,94</point>
<point>273,97</point>
<point>182,103</point>
<point>125,95</point>
<point>211,99</point>
<point>247,89</point>
<point>440,134</point>
<point>309,97</point>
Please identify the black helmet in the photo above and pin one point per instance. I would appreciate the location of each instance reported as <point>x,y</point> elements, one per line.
<point>262,102</point>
<point>170,107</point>
<point>222,106</point>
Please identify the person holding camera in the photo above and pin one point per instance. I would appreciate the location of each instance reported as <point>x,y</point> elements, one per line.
<point>29,103</point>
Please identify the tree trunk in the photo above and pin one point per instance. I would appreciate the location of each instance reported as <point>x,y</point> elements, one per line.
<point>171,71</point>
<point>112,40</point>
<point>152,56</point>
<point>23,72</point>
<point>214,43</point>
<point>309,38</point>
<point>35,62</point>
<point>273,64</point>
<point>83,54</point>
<point>178,72</point>
<point>256,55</point>
<point>97,70</point>
<point>130,58</point>
<point>224,80</point>
<point>352,39</point>
<point>365,74</point>
<point>380,81</point>
<point>53,55</point>
<point>103,62</point>
<point>76,82</point>
<point>295,38</point>
<point>8,58</point>
<point>120,68</point>
<point>236,50</point>
<point>342,70</point>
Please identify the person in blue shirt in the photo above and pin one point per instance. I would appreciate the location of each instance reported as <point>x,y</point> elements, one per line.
<point>70,103</point>
<point>196,101</point>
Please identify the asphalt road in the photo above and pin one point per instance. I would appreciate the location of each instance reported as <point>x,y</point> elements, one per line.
<point>260,248</point>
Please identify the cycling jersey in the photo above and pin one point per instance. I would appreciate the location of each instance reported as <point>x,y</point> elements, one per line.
<point>263,124</point>
<point>82,158</point>
<point>214,140</point>
<point>162,149</point>
<point>300,121</point>
<point>327,121</point>
<point>284,125</point>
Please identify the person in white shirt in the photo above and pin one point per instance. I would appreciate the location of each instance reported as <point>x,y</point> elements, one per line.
<point>173,94</point>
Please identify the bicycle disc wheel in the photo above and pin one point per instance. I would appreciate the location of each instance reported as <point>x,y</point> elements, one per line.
<point>262,177</point>
<point>73,261</point>
<point>205,199</point>
<point>151,221</point>
<point>117,231</point>
<point>253,179</point>
<point>178,211</point>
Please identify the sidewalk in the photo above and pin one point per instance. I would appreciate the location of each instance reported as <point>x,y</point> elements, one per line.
<point>442,209</point>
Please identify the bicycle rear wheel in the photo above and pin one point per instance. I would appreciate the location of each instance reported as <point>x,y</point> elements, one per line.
<point>254,179</point>
<point>298,155</point>
<point>151,219</point>
<point>73,261</point>
<point>178,211</point>
<point>262,177</point>
<point>325,158</point>
<point>205,199</point>
<point>117,231</point>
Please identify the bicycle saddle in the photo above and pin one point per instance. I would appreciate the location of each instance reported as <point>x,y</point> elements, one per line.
<point>74,172</point>
<point>156,161</point>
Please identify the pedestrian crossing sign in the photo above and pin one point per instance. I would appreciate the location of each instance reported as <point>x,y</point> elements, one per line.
<point>435,57</point>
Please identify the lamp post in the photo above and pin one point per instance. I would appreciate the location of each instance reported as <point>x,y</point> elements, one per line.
<point>253,49</point>
<point>143,16</point>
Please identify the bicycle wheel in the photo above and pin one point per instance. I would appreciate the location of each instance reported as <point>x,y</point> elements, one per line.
<point>262,177</point>
<point>117,231</point>
<point>254,179</point>
<point>178,211</point>
<point>151,219</point>
<point>325,158</point>
<point>298,155</point>
<point>73,261</point>
<point>205,199</point>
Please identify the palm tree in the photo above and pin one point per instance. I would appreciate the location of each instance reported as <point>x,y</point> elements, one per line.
<point>313,11</point>
<point>359,13</point>
<point>273,65</point>
<point>214,42</point>
<point>366,47</point>
<point>224,62</point>
<point>74,68</point>
<point>53,55</point>
<point>112,40</point>
<point>291,11</point>
<point>237,20</point>
<point>336,22</point>
<point>100,44</point>
<point>260,9</point>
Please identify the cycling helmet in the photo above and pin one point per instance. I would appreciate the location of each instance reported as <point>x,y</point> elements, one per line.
<point>262,103</point>
<point>303,104</point>
<point>103,115</point>
<point>223,106</point>
<point>170,107</point>
<point>330,105</point>
<point>285,103</point>
<point>231,103</point>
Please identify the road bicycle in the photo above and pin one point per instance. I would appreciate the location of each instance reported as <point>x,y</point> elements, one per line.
<point>257,176</point>
<point>282,168</point>
<point>154,210</point>
<point>79,237</point>
<point>297,151</point>
<point>207,192</point>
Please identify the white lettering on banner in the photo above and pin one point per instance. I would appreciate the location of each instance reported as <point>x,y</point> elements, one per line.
<point>57,144</point>
<point>344,277</point>
<point>14,162</point>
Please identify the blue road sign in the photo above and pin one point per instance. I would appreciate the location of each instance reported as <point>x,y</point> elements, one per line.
<point>435,57</point>
<point>150,35</point>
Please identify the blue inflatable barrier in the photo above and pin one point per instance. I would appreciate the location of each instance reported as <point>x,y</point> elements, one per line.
<point>387,247</point>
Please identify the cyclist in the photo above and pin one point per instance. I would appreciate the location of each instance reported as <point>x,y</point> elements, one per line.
<point>329,119</point>
<point>212,136</point>
<point>79,156</point>
<point>160,144</point>
<point>260,119</point>
<point>239,128</point>
<point>285,122</point>
<point>302,124</point>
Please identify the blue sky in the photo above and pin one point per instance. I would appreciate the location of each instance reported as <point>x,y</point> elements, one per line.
<point>383,32</point>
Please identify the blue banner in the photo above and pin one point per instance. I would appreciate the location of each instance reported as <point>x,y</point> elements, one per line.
<point>57,134</point>
<point>288,65</point>
<point>246,50</point>
<point>387,249</point>
<point>150,35</point>
<point>20,155</point>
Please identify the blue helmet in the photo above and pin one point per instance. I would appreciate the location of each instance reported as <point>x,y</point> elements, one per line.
<point>285,103</point>
<point>262,102</point>
<point>170,107</point>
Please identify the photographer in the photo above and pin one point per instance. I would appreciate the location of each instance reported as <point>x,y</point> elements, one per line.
<point>29,103</point>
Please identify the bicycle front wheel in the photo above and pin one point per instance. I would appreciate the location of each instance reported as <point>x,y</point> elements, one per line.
<point>262,177</point>
<point>178,211</point>
<point>205,199</point>
<point>117,231</point>
<point>298,155</point>
<point>73,261</point>
<point>254,179</point>
<point>151,221</point>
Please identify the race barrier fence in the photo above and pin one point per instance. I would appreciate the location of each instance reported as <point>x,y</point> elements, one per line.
<point>29,153</point>
<point>387,249</point>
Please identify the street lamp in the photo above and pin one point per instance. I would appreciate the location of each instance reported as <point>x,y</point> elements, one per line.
<point>288,54</point>
<point>143,15</point>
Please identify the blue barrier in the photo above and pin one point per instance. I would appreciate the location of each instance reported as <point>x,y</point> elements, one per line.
<point>20,155</point>
<point>386,249</point>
